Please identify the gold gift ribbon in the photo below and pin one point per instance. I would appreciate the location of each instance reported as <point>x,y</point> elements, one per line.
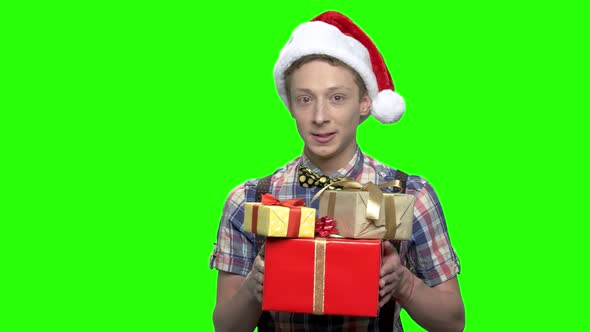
<point>390,217</point>
<point>375,195</point>
<point>373,205</point>
<point>319,275</point>
<point>396,184</point>
<point>390,220</point>
<point>331,203</point>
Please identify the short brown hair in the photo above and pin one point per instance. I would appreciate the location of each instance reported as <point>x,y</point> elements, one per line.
<point>322,57</point>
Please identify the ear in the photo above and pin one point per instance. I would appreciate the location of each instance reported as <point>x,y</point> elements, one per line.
<point>365,105</point>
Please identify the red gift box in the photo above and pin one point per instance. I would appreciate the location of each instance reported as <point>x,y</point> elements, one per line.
<point>322,276</point>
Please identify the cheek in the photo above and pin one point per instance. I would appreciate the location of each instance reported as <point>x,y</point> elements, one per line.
<point>350,119</point>
<point>300,124</point>
<point>301,117</point>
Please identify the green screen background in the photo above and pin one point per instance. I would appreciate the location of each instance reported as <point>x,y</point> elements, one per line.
<point>126,125</point>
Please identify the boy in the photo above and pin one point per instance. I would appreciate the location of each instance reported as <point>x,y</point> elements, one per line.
<point>331,78</point>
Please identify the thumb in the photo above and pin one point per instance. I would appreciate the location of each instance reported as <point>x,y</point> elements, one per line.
<point>388,248</point>
<point>262,250</point>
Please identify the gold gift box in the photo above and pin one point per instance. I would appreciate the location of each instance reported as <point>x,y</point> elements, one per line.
<point>349,210</point>
<point>273,220</point>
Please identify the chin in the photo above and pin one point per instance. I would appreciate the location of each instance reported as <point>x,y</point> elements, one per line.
<point>322,152</point>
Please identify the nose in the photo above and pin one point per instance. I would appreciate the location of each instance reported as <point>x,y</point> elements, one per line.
<point>320,113</point>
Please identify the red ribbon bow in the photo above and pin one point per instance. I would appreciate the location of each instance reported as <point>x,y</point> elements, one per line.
<point>325,226</point>
<point>268,199</point>
<point>294,205</point>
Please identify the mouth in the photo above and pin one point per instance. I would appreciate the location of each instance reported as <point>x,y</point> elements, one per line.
<point>323,137</point>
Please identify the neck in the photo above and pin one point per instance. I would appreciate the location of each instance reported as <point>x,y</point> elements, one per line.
<point>332,164</point>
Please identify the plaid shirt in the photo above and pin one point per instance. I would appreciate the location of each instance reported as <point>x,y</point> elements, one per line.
<point>428,254</point>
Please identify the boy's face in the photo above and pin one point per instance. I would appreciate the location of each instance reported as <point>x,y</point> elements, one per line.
<point>325,102</point>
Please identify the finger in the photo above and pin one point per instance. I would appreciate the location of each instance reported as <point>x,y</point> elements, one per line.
<point>262,250</point>
<point>261,267</point>
<point>384,300</point>
<point>386,268</point>
<point>388,248</point>
<point>388,289</point>
<point>258,269</point>
<point>259,264</point>
<point>389,265</point>
<point>259,294</point>
<point>386,279</point>
<point>260,278</point>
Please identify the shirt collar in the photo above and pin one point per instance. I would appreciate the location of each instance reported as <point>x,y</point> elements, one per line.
<point>352,169</point>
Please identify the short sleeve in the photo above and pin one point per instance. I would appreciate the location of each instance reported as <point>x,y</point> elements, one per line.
<point>430,253</point>
<point>235,249</point>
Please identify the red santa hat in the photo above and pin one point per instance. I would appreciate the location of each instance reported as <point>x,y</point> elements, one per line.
<point>334,34</point>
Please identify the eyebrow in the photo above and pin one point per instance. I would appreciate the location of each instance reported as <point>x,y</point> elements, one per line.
<point>330,89</point>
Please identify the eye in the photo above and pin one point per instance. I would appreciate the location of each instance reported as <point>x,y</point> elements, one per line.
<point>338,98</point>
<point>303,100</point>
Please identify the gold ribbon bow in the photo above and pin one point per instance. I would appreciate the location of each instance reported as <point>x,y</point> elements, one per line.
<point>375,195</point>
<point>374,203</point>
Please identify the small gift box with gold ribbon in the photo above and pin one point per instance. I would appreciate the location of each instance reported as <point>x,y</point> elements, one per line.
<point>272,217</point>
<point>322,276</point>
<point>365,212</point>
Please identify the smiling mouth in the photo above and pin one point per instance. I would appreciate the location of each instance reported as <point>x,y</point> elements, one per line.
<point>324,137</point>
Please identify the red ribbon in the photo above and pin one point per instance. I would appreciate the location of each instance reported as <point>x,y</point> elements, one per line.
<point>294,215</point>
<point>268,199</point>
<point>325,226</point>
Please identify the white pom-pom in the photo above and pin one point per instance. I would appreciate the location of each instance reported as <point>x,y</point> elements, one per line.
<point>388,107</point>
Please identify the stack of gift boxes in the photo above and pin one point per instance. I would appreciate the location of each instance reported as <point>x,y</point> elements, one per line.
<point>328,265</point>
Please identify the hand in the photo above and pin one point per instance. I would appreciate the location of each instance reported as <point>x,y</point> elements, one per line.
<point>255,278</point>
<point>395,280</point>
